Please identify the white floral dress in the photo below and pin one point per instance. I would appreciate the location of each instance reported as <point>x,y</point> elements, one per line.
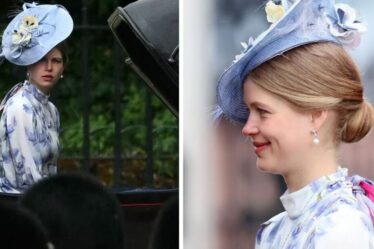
<point>331,212</point>
<point>29,128</point>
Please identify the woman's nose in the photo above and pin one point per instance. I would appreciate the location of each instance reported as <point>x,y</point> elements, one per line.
<point>250,128</point>
<point>48,65</point>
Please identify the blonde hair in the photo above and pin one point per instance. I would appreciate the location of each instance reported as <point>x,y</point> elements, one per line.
<point>320,76</point>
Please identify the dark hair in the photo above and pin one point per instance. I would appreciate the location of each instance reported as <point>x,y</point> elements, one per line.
<point>21,229</point>
<point>165,234</point>
<point>64,49</point>
<point>77,211</point>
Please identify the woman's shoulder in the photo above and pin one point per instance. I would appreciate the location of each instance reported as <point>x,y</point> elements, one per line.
<point>16,99</point>
<point>262,232</point>
<point>271,224</point>
<point>344,218</point>
<point>345,227</point>
<point>344,212</point>
<point>52,106</point>
<point>17,102</point>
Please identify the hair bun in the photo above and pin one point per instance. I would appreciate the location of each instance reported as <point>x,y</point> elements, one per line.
<point>358,123</point>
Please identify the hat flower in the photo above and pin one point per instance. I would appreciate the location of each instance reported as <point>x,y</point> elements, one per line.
<point>274,12</point>
<point>346,26</point>
<point>246,46</point>
<point>35,31</point>
<point>21,37</point>
<point>30,22</point>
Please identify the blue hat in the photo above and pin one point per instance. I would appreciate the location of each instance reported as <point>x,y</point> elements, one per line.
<point>297,24</point>
<point>34,32</point>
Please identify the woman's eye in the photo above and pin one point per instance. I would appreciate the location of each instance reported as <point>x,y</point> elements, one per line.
<point>57,60</point>
<point>261,111</point>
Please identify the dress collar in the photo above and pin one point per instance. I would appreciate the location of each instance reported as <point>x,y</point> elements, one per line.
<point>34,91</point>
<point>298,202</point>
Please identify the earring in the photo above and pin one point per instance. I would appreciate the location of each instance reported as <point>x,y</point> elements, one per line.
<point>28,74</point>
<point>315,136</point>
<point>61,76</point>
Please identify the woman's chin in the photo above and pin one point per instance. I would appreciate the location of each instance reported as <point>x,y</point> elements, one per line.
<point>265,166</point>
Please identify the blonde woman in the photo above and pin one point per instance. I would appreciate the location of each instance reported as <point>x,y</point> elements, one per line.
<point>299,95</point>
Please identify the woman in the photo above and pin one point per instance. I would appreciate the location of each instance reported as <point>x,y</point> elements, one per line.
<point>29,124</point>
<point>299,95</point>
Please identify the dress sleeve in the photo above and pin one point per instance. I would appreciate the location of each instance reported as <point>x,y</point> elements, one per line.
<point>346,229</point>
<point>56,116</point>
<point>21,161</point>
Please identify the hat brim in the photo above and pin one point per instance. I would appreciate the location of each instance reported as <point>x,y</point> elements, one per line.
<point>299,26</point>
<point>55,25</point>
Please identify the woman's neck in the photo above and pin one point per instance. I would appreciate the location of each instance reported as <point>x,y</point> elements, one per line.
<point>318,165</point>
<point>43,90</point>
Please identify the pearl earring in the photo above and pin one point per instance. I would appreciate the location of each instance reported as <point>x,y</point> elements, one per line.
<point>315,136</point>
<point>61,76</point>
<point>28,74</point>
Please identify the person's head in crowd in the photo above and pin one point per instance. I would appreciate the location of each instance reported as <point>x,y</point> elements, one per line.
<point>77,211</point>
<point>21,229</point>
<point>165,234</point>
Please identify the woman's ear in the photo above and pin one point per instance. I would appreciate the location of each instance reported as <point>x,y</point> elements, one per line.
<point>319,118</point>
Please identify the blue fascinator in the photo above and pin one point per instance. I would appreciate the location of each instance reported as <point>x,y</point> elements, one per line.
<point>294,23</point>
<point>34,32</point>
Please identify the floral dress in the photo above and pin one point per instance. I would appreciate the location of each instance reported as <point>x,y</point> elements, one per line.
<point>331,212</point>
<point>29,128</point>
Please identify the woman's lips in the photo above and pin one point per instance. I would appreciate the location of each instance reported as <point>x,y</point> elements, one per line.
<point>47,77</point>
<point>259,147</point>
